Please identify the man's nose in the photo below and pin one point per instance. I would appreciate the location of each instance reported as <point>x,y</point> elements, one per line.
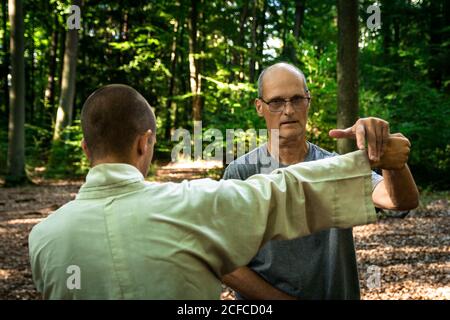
<point>288,108</point>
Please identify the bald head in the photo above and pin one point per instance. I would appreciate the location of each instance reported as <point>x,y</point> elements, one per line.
<point>112,118</point>
<point>277,67</point>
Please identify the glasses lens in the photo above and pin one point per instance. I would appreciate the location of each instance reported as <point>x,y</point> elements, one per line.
<point>276,105</point>
<point>298,102</point>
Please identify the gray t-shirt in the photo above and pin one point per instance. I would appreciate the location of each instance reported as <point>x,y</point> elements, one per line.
<point>318,266</point>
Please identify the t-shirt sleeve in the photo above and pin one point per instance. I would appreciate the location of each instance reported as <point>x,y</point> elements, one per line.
<point>376,179</point>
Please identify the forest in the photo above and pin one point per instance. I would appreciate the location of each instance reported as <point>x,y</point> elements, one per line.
<point>199,60</point>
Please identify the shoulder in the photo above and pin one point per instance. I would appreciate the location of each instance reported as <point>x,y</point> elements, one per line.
<point>49,228</point>
<point>244,166</point>
<point>316,152</point>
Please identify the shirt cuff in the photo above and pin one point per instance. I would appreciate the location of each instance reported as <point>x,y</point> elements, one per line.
<point>354,204</point>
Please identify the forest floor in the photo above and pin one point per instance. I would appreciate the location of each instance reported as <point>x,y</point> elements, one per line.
<point>398,258</point>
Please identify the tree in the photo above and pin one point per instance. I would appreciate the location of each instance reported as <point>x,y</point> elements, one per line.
<point>253,42</point>
<point>194,72</point>
<point>261,35</point>
<point>49,97</point>
<point>347,69</point>
<point>299,18</point>
<point>5,65</point>
<point>291,40</point>
<point>64,114</point>
<point>173,64</point>
<point>16,133</point>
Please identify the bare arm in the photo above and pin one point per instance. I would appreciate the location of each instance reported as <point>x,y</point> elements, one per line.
<point>398,191</point>
<point>252,286</point>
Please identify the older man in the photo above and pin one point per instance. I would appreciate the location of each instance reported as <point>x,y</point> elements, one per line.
<point>322,265</point>
<point>124,238</point>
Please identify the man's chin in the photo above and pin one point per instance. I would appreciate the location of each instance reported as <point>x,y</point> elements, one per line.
<point>291,134</point>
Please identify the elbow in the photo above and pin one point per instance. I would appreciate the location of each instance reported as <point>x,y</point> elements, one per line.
<point>409,203</point>
<point>406,206</point>
<point>414,203</point>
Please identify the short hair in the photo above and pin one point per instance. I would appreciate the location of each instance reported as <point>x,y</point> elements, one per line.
<point>279,64</point>
<point>111,119</point>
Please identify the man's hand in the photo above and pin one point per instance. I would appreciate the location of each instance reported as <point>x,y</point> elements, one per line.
<point>395,154</point>
<point>375,130</point>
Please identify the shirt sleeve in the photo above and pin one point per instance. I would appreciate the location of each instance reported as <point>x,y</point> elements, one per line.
<point>238,217</point>
<point>33,240</point>
<point>376,179</point>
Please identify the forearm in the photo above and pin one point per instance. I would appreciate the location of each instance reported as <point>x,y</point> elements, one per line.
<point>401,188</point>
<point>334,192</point>
<point>252,286</point>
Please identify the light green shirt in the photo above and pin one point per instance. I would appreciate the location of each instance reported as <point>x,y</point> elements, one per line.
<point>132,239</point>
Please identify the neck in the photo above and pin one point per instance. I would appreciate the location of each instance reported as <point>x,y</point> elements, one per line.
<point>290,151</point>
<point>111,159</point>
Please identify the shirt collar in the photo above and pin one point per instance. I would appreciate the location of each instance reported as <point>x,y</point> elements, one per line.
<point>110,179</point>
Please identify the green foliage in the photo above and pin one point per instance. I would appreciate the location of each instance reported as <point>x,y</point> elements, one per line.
<point>67,157</point>
<point>37,141</point>
<point>3,151</point>
<point>423,115</point>
<point>404,70</point>
<point>320,71</point>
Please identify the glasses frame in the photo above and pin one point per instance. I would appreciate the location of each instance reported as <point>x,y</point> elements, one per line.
<point>285,102</point>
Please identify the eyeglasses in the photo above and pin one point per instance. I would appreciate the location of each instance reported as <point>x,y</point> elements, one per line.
<point>278,105</point>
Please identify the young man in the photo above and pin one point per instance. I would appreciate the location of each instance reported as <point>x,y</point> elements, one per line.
<point>322,265</point>
<point>124,238</point>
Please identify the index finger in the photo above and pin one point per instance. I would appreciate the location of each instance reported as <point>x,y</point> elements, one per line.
<point>360,133</point>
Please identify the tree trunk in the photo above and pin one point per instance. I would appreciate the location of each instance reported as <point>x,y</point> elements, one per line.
<point>49,98</point>
<point>16,133</point>
<point>347,69</point>
<point>436,27</point>
<point>60,63</point>
<point>173,64</point>
<point>446,53</point>
<point>284,34</point>
<point>253,42</point>
<point>261,37</point>
<point>194,72</point>
<point>386,30</point>
<point>240,55</point>
<point>123,36</point>
<point>5,65</point>
<point>299,18</point>
<point>65,108</point>
<point>29,115</point>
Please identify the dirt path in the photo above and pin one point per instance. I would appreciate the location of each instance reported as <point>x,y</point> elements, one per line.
<point>411,255</point>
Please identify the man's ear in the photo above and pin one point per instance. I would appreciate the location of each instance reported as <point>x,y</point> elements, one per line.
<point>84,146</point>
<point>259,107</point>
<point>145,142</point>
